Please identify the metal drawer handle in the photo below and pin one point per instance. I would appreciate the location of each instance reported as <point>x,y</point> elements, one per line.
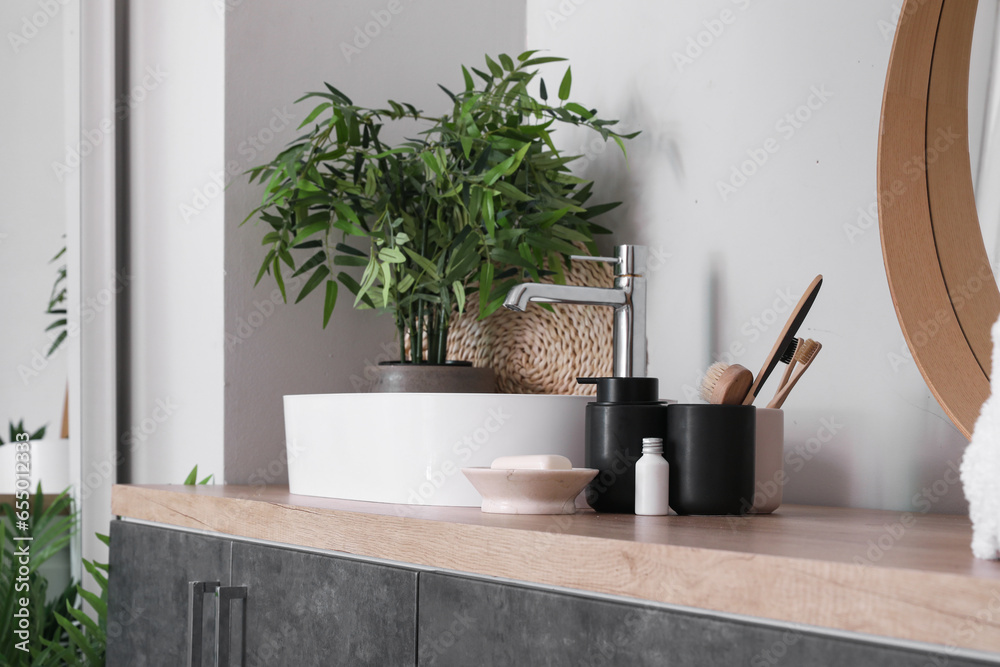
<point>196,594</point>
<point>223,624</point>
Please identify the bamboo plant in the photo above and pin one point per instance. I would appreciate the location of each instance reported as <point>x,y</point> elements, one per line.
<point>480,199</point>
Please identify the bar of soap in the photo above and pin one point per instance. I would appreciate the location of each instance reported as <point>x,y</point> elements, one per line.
<point>532,462</point>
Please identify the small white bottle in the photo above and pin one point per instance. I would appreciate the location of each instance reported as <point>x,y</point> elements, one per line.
<point>652,479</point>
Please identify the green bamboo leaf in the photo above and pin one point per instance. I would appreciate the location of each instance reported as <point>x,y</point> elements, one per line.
<point>367,279</point>
<point>311,263</point>
<point>469,83</point>
<point>264,267</point>
<point>349,250</point>
<point>329,302</point>
<point>276,266</point>
<point>541,61</point>
<point>315,279</point>
<point>510,191</point>
<point>507,63</point>
<point>349,260</point>
<point>386,282</point>
<point>485,283</point>
<point>543,93</point>
<point>306,232</point>
<point>488,219</point>
<point>579,110</point>
<point>192,477</point>
<point>423,263</point>
<point>315,112</point>
<point>567,82</point>
<point>391,255</point>
<point>498,170</point>
<point>495,69</point>
<point>459,291</point>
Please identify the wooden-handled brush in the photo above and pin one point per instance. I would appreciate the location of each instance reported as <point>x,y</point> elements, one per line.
<point>805,354</point>
<point>785,338</point>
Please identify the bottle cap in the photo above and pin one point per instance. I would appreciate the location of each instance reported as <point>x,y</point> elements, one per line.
<point>625,390</point>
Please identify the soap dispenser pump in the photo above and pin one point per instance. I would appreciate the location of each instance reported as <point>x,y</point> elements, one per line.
<point>627,410</point>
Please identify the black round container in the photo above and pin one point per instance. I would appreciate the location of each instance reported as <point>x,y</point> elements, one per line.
<point>711,450</point>
<point>626,411</point>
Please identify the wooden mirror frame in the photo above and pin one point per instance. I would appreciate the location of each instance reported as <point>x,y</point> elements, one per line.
<point>942,285</point>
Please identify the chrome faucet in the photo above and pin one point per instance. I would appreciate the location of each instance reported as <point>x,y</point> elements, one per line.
<point>627,297</point>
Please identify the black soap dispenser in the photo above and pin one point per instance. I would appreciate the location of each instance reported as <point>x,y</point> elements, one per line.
<point>627,410</point>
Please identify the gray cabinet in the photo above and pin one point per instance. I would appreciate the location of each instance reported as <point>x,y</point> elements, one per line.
<point>465,621</point>
<point>305,608</point>
<point>301,608</point>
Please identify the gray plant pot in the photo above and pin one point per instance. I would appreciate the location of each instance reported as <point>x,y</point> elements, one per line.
<point>450,377</point>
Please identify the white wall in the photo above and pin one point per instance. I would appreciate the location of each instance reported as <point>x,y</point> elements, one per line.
<point>175,111</point>
<point>798,214</point>
<point>34,214</point>
<point>273,56</point>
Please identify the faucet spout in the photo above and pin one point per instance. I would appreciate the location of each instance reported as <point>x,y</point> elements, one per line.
<point>627,297</point>
<point>521,295</point>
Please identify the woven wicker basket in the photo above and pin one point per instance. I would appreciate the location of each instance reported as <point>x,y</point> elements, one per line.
<point>538,352</point>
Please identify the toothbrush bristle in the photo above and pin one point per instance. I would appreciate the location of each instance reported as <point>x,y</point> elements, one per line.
<point>789,353</point>
<point>808,350</point>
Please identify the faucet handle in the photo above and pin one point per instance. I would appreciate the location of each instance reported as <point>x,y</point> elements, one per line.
<point>631,259</point>
<point>590,258</point>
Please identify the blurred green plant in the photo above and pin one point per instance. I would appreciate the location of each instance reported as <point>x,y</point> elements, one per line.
<point>59,632</point>
<point>479,201</point>
<point>18,428</point>
<point>57,305</point>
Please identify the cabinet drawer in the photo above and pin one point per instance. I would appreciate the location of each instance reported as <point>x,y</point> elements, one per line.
<point>465,621</point>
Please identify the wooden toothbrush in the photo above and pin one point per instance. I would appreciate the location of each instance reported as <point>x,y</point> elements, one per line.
<point>784,340</point>
<point>804,356</point>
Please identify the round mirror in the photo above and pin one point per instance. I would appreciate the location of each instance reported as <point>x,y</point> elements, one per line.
<point>936,261</point>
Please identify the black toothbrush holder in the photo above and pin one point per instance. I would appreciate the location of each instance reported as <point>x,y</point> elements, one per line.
<point>711,450</point>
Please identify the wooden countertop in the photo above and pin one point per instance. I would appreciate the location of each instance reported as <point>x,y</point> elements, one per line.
<point>900,575</point>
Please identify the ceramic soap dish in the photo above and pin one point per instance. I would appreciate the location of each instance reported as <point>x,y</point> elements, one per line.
<point>526,491</point>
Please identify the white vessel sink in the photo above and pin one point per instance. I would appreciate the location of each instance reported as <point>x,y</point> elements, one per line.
<point>410,448</point>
